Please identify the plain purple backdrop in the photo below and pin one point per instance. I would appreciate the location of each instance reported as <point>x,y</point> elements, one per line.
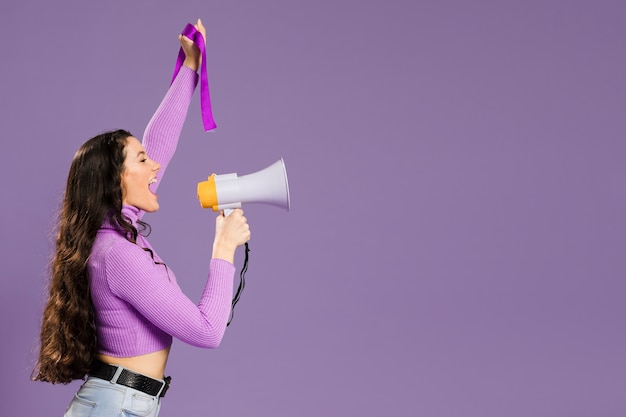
<point>456,240</point>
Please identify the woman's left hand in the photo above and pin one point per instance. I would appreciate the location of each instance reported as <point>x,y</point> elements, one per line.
<point>193,57</point>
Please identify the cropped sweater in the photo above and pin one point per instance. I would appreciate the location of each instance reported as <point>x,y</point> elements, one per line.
<point>138,304</point>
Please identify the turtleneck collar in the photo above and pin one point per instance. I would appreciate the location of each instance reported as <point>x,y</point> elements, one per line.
<point>130,212</point>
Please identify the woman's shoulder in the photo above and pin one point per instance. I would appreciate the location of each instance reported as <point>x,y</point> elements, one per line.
<point>112,241</point>
<point>112,251</point>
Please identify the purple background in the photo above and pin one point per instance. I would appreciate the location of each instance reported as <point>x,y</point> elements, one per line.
<point>456,239</point>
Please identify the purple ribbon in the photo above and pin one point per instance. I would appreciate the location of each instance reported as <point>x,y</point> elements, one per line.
<point>205,101</point>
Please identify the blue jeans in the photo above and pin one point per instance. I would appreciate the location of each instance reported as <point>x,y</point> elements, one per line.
<point>100,398</point>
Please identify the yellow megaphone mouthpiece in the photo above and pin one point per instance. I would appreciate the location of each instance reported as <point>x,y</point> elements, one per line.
<point>207,193</point>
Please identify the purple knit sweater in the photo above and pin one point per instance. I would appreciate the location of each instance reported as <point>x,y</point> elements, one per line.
<point>138,303</point>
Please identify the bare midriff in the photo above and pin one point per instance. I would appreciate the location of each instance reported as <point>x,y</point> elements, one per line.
<point>150,364</point>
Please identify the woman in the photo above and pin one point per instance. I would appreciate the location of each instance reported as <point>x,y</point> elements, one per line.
<point>114,306</point>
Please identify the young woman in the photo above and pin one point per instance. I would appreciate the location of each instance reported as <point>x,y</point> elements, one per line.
<point>114,305</point>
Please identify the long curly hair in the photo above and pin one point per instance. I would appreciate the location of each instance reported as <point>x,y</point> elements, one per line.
<point>94,191</point>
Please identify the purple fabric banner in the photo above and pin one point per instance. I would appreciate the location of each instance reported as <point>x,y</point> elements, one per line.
<point>205,99</point>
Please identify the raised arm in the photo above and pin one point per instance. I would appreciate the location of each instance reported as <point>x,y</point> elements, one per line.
<point>163,130</point>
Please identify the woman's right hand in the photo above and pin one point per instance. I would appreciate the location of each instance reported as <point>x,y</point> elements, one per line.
<point>231,232</point>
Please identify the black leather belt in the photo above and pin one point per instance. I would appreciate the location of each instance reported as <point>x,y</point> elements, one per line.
<point>130,379</point>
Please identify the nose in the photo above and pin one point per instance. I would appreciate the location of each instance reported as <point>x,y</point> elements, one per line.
<point>156,166</point>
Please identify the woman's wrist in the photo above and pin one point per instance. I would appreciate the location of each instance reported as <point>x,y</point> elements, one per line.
<point>191,63</point>
<point>224,251</point>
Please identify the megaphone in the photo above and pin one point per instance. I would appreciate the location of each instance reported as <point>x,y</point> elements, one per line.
<point>229,191</point>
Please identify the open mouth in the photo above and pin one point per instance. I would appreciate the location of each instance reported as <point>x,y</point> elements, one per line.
<point>150,183</point>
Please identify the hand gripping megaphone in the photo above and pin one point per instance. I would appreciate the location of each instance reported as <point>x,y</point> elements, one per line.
<point>229,191</point>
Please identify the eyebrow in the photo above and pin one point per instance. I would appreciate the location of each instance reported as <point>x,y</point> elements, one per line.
<point>141,152</point>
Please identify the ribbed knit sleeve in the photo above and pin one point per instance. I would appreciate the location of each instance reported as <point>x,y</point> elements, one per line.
<point>163,130</point>
<point>132,276</point>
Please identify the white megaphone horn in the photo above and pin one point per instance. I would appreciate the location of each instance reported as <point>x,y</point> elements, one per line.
<point>228,191</point>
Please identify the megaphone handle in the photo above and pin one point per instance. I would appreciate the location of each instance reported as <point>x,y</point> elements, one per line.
<point>227,212</point>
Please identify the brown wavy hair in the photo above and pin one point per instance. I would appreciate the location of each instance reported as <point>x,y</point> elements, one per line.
<point>94,191</point>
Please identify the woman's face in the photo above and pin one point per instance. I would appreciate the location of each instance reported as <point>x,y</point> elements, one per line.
<point>139,172</point>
